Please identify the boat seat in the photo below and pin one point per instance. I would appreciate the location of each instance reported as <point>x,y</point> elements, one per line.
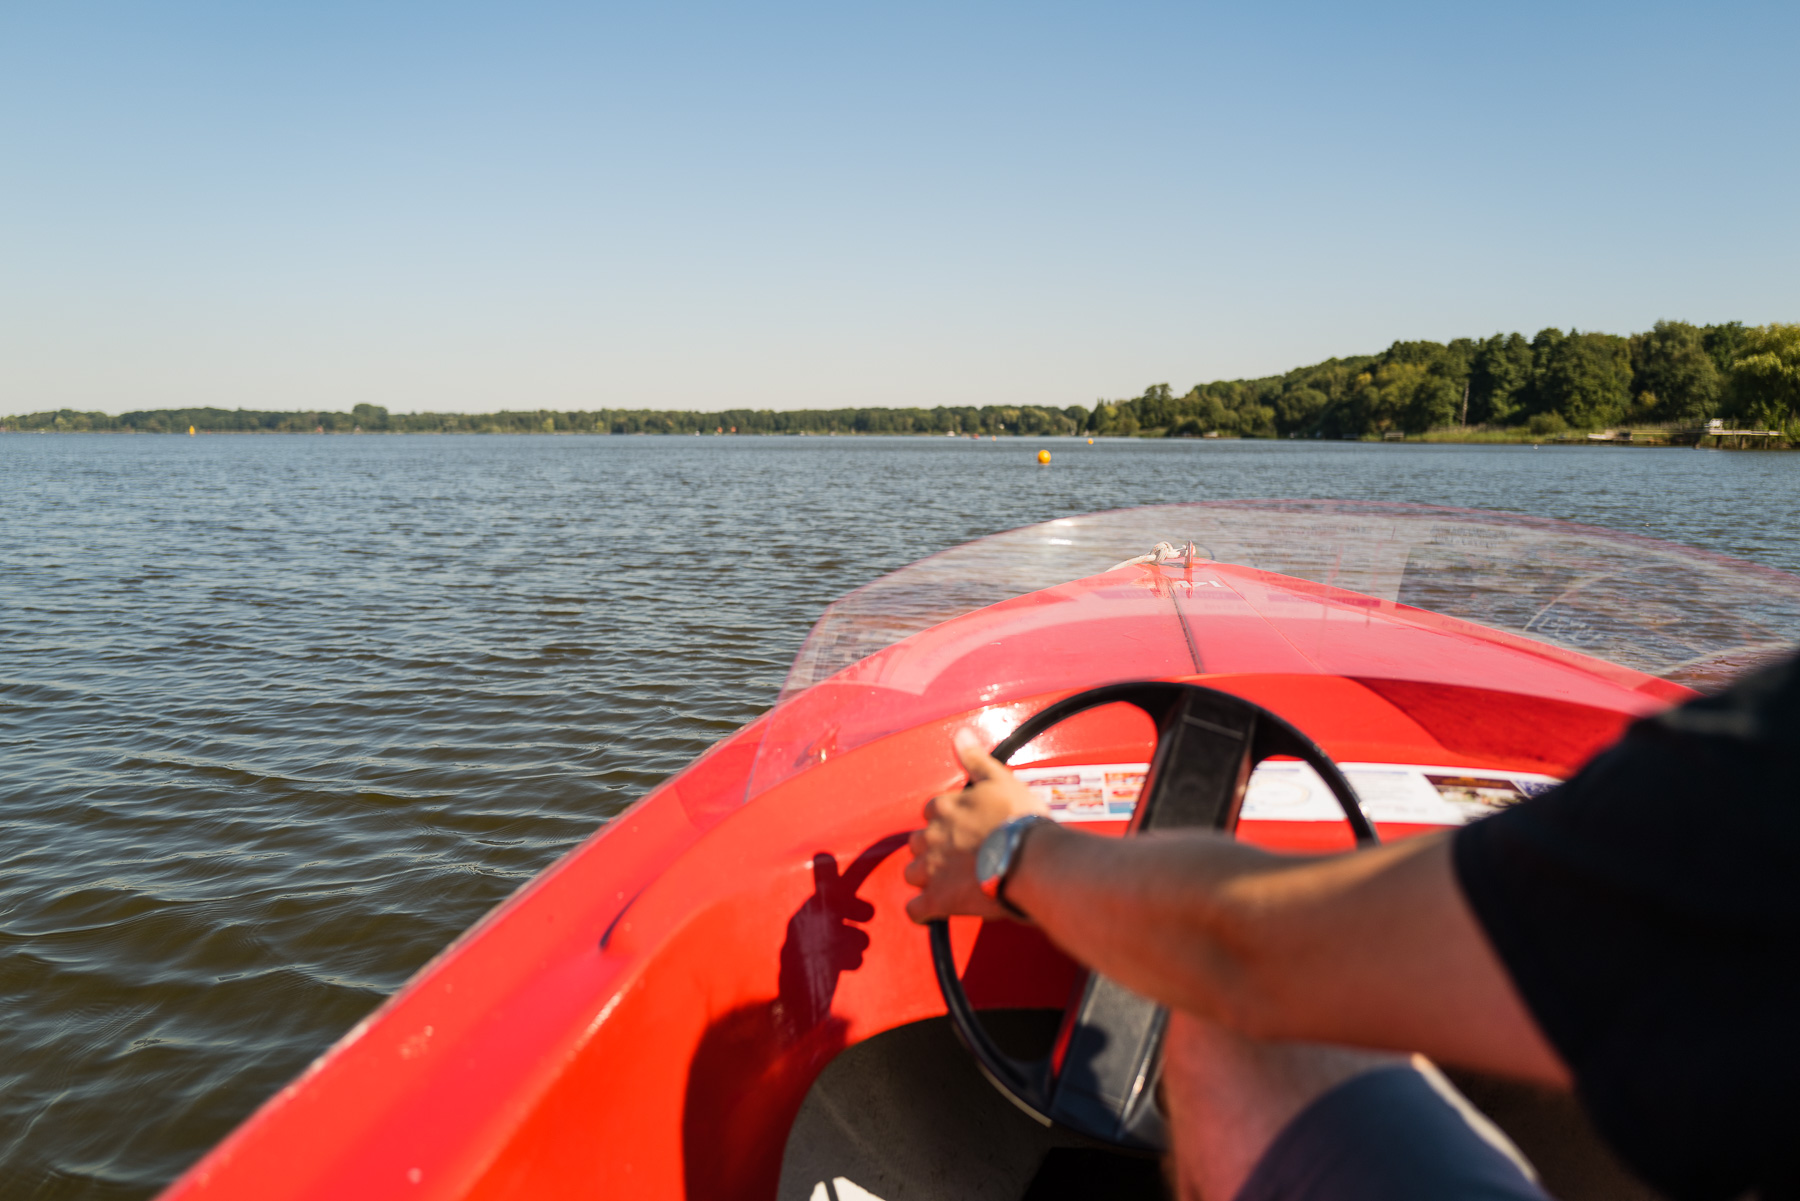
<point>906,1116</point>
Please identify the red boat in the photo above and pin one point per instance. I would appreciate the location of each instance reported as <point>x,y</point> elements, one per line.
<point>719,995</point>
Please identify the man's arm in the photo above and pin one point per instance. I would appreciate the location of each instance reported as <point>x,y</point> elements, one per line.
<point>1373,949</point>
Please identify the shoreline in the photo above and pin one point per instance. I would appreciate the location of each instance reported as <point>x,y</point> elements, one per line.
<point>1628,439</point>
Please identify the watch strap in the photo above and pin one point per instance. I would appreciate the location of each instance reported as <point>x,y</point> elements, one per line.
<point>1014,832</point>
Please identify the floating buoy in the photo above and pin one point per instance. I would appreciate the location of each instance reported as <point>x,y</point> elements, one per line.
<point>190,431</point>
<point>1043,456</point>
<point>1090,441</point>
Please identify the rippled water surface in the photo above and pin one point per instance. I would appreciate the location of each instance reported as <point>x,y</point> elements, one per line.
<point>282,715</point>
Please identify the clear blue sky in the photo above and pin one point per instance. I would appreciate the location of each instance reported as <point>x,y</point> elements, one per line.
<point>463,207</point>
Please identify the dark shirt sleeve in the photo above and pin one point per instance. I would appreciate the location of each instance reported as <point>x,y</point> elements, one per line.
<point>1649,912</point>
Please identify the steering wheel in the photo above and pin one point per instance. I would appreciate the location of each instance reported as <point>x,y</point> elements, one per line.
<point>1100,1079</point>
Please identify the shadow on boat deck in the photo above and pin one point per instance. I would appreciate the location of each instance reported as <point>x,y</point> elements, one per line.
<point>754,1064</point>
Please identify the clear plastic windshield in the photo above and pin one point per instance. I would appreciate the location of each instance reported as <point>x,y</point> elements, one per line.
<point>1654,610</point>
<point>1671,611</point>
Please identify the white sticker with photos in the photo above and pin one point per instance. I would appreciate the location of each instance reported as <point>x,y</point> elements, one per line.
<point>1288,790</point>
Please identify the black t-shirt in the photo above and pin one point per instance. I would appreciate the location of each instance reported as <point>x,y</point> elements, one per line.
<point>1649,913</point>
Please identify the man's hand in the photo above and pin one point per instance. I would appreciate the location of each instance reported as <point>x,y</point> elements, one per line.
<point>943,863</point>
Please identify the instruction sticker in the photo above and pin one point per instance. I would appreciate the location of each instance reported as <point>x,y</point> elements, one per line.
<point>1287,790</point>
<point>1097,792</point>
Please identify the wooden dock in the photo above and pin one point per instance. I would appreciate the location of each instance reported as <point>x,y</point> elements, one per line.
<point>1722,439</point>
<point>1708,437</point>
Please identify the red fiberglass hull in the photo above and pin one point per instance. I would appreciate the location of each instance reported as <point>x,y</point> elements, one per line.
<point>645,1018</point>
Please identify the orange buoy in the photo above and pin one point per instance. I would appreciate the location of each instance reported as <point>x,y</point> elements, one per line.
<point>1043,456</point>
<point>190,431</point>
<point>1090,441</point>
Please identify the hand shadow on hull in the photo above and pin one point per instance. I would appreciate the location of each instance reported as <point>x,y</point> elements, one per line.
<point>755,1063</point>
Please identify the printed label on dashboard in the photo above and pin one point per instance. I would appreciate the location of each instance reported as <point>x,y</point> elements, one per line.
<point>1287,790</point>
<point>1091,792</point>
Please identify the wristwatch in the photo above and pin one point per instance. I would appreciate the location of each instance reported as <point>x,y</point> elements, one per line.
<point>998,853</point>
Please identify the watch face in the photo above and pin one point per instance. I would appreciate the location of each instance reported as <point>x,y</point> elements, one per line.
<point>990,857</point>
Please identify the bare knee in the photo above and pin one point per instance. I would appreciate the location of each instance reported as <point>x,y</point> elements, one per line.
<point>1228,1096</point>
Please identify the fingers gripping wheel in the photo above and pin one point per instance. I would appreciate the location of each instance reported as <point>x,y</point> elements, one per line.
<point>1101,1079</point>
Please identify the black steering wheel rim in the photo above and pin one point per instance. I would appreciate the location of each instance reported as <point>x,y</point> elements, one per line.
<point>1207,743</point>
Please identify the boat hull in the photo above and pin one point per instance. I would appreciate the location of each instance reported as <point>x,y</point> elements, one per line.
<point>647,1017</point>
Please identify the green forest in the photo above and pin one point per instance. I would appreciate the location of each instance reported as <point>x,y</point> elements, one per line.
<point>1673,375</point>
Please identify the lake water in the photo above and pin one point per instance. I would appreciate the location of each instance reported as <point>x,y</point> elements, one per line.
<point>282,715</point>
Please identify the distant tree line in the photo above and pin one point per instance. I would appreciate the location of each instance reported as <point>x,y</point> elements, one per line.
<point>1675,373</point>
<point>988,420</point>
